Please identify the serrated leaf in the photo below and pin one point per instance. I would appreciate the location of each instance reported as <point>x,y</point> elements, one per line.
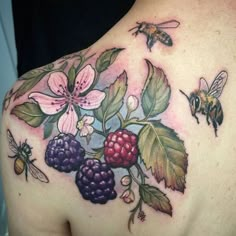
<point>29,84</point>
<point>113,100</point>
<point>30,113</point>
<point>156,93</point>
<point>71,78</point>
<point>107,58</point>
<point>48,128</point>
<point>164,152</point>
<point>155,198</point>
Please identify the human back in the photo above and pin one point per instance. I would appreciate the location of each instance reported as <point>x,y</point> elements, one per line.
<point>118,147</point>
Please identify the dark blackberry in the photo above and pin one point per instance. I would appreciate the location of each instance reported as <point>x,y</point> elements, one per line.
<point>64,153</point>
<point>95,181</point>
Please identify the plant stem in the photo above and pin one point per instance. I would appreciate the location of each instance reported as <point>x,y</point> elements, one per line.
<point>90,153</point>
<point>99,132</point>
<point>141,173</point>
<point>133,177</point>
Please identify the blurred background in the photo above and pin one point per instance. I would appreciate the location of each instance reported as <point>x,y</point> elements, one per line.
<point>37,32</point>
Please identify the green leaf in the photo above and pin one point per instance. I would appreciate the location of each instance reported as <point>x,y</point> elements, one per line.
<point>164,152</point>
<point>154,198</point>
<point>48,128</point>
<point>107,58</point>
<point>71,78</point>
<point>31,74</point>
<point>113,100</point>
<point>63,66</point>
<point>49,66</point>
<point>30,113</point>
<point>28,85</point>
<point>99,152</point>
<point>156,93</point>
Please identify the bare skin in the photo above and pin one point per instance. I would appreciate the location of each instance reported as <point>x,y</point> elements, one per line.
<point>203,46</point>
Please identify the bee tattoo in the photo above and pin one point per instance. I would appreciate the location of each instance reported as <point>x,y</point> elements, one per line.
<point>154,32</point>
<point>205,100</point>
<point>22,159</point>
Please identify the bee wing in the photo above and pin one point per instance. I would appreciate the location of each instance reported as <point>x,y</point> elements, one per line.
<point>37,173</point>
<point>12,143</point>
<point>203,85</point>
<point>218,84</point>
<point>168,24</point>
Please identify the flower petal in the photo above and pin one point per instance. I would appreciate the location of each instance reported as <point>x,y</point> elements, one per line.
<point>57,82</point>
<point>49,105</point>
<point>88,119</point>
<point>92,100</point>
<point>68,121</point>
<point>86,130</point>
<point>84,79</point>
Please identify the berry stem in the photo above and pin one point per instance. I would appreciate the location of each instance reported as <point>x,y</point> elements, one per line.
<point>141,173</point>
<point>133,177</point>
<point>99,132</point>
<point>91,153</point>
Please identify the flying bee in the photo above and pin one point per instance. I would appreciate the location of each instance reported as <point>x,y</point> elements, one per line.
<point>205,100</point>
<point>154,32</point>
<point>22,159</point>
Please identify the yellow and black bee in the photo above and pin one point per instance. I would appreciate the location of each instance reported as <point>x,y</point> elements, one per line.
<point>154,32</point>
<point>22,159</point>
<point>205,100</point>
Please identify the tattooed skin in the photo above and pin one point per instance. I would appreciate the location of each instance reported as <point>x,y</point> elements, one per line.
<point>76,113</point>
<point>22,162</point>
<point>205,100</point>
<point>154,32</point>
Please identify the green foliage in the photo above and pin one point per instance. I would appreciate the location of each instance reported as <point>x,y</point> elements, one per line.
<point>163,152</point>
<point>31,74</point>
<point>48,128</point>
<point>154,198</point>
<point>156,93</point>
<point>114,99</point>
<point>29,84</point>
<point>30,113</point>
<point>107,58</point>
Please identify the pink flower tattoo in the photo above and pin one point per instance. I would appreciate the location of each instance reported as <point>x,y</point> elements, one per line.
<point>66,100</point>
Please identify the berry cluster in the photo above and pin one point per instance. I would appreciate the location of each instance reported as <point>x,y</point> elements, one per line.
<point>64,153</point>
<point>121,149</point>
<point>95,181</point>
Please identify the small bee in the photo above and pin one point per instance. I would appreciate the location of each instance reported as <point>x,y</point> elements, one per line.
<point>154,32</point>
<point>22,161</point>
<point>205,100</point>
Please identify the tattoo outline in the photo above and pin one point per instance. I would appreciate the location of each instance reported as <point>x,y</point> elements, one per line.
<point>155,32</point>
<point>205,100</point>
<point>122,147</point>
<point>22,154</point>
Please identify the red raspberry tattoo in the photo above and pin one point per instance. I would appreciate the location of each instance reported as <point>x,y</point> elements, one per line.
<point>121,148</point>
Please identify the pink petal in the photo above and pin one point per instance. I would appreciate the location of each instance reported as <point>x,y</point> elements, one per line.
<point>87,129</point>
<point>49,105</point>
<point>92,100</point>
<point>68,121</point>
<point>84,79</point>
<point>88,119</point>
<point>57,82</point>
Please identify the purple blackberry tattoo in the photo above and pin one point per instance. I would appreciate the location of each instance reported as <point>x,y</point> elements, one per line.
<point>95,181</point>
<point>80,111</point>
<point>64,153</point>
